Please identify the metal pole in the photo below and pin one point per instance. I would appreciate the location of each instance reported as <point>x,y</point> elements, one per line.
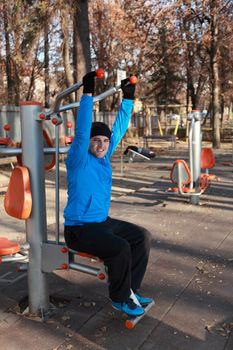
<point>196,153</point>
<point>84,268</point>
<point>121,160</point>
<point>196,147</point>
<point>57,208</point>
<point>190,143</point>
<point>17,151</point>
<point>36,226</point>
<point>65,93</point>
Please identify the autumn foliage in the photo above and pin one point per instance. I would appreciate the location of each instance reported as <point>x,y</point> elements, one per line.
<point>181,50</point>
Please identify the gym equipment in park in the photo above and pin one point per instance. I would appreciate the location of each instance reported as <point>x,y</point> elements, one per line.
<point>5,141</point>
<point>38,255</point>
<point>191,183</point>
<point>131,322</point>
<point>49,158</point>
<point>141,152</point>
<point>69,138</point>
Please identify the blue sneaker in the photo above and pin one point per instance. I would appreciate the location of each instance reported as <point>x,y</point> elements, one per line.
<point>129,308</point>
<point>143,300</point>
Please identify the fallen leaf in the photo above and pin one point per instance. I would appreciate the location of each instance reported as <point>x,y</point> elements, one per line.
<point>65,318</point>
<point>209,328</point>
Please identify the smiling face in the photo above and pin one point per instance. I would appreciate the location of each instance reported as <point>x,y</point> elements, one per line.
<point>99,146</point>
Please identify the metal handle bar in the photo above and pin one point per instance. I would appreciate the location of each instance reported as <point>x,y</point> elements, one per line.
<point>107,93</point>
<point>100,97</point>
<point>57,108</point>
<point>18,151</point>
<point>64,94</point>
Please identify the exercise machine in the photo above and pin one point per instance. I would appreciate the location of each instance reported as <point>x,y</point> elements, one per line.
<point>25,200</point>
<point>191,183</point>
<point>141,152</point>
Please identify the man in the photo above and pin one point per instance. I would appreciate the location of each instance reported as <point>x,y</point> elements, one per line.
<point>123,247</point>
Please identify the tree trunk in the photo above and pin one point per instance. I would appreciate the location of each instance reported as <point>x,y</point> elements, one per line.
<point>215,74</point>
<point>81,49</point>
<point>230,111</point>
<point>9,75</point>
<point>66,52</point>
<point>75,49</point>
<point>31,87</point>
<point>46,67</point>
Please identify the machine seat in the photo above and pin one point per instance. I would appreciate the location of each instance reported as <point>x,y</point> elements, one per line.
<point>207,158</point>
<point>18,198</point>
<point>8,247</point>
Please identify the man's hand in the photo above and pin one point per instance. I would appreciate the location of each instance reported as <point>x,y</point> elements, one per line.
<point>89,83</point>
<point>128,89</point>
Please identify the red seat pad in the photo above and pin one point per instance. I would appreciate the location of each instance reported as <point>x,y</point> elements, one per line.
<point>8,247</point>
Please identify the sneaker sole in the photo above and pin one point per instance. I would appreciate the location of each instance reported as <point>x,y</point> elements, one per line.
<point>130,315</point>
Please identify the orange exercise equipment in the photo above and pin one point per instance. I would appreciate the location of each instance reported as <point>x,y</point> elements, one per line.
<point>49,159</point>
<point>17,203</point>
<point>8,247</point>
<point>207,159</point>
<point>18,199</point>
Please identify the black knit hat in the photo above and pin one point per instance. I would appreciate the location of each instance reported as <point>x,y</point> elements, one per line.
<point>99,128</point>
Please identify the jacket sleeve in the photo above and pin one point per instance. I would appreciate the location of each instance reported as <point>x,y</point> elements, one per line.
<point>78,151</point>
<point>121,124</point>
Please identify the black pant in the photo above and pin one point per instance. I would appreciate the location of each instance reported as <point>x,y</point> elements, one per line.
<point>124,248</point>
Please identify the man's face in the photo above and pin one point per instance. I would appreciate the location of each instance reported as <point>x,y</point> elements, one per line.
<point>99,146</point>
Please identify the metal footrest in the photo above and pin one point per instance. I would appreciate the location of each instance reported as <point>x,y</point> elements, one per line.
<point>60,257</point>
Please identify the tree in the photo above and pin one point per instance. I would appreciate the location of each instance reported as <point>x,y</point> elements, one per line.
<point>23,22</point>
<point>195,59</point>
<point>81,40</point>
<point>75,42</point>
<point>46,66</point>
<point>178,49</point>
<point>9,73</point>
<point>107,42</point>
<point>214,60</point>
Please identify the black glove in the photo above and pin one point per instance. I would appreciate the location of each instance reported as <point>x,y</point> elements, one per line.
<point>127,89</point>
<point>89,83</point>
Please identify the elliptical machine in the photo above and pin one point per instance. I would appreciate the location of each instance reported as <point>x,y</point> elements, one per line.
<point>191,183</point>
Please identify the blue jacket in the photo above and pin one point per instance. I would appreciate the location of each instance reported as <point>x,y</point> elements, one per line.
<point>90,178</point>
